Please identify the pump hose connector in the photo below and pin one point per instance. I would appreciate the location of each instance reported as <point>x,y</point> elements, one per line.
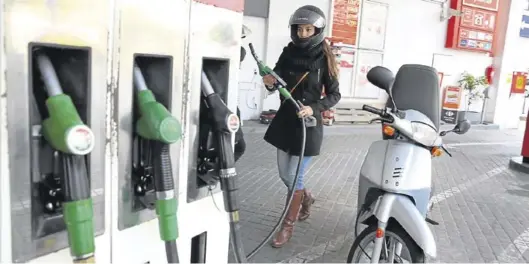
<point>166,205</point>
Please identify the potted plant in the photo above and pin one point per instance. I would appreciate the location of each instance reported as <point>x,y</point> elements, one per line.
<point>473,87</point>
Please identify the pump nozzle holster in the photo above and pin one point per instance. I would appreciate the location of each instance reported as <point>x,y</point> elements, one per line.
<point>156,122</point>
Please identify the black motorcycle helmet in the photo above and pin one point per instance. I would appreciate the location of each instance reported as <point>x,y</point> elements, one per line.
<point>312,15</point>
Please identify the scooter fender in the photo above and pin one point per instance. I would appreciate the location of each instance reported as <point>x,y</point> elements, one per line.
<point>402,209</point>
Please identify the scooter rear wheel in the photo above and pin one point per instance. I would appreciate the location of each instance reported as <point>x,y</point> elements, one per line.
<point>410,250</point>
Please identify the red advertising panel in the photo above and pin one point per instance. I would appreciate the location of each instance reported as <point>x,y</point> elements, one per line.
<point>478,19</point>
<point>345,21</point>
<point>474,30</point>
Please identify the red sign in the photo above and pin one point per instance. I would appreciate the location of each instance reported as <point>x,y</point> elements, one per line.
<point>345,21</point>
<point>234,5</point>
<point>475,29</point>
<point>519,80</point>
<point>478,19</point>
<point>484,4</point>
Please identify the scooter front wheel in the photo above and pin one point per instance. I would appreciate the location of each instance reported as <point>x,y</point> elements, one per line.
<point>398,247</point>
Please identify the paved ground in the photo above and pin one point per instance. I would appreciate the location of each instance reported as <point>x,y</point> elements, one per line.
<point>481,205</point>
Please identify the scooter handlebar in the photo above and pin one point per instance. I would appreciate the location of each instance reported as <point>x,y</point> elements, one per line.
<point>374,110</point>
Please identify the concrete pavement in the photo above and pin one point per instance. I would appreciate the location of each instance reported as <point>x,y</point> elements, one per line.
<point>481,204</point>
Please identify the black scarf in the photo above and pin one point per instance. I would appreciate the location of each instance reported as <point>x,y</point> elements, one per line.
<point>299,59</point>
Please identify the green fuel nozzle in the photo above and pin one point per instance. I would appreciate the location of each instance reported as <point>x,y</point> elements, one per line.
<point>280,85</point>
<point>158,125</point>
<point>265,70</point>
<point>155,122</point>
<point>65,131</point>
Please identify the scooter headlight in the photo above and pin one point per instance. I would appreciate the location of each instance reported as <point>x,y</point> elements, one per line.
<point>424,134</point>
<point>80,140</point>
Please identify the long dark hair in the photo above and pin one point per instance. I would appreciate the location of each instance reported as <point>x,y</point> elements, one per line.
<point>331,60</point>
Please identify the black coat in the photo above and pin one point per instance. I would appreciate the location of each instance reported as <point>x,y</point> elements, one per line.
<point>285,130</point>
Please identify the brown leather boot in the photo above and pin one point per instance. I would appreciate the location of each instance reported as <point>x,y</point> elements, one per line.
<point>285,233</point>
<point>308,200</point>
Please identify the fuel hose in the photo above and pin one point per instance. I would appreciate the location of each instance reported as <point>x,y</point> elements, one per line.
<point>228,175</point>
<point>65,132</point>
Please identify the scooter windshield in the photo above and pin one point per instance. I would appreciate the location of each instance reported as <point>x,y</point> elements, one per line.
<point>416,87</point>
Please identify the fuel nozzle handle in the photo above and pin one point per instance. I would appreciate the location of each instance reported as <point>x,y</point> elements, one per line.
<point>225,121</point>
<point>280,85</point>
<point>155,122</point>
<point>63,129</point>
<point>265,70</point>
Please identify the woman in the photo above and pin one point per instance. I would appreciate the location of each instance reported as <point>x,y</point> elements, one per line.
<point>306,65</point>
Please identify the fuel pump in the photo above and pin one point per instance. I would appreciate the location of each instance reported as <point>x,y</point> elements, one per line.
<point>157,128</point>
<point>65,132</point>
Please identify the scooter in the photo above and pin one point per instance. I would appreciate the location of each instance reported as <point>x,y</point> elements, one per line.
<point>395,180</point>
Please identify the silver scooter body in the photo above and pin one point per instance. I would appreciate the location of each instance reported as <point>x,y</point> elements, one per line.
<point>402,171</point>
<point>396,176</point>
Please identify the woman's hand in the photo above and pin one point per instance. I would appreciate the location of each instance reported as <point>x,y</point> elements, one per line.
<point>305,111</point>
<point>269,80</point>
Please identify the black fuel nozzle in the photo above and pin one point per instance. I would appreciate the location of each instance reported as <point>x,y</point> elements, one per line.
<point>224,123</point>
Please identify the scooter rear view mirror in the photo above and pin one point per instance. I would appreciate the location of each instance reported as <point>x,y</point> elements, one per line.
<point>381,77</point>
